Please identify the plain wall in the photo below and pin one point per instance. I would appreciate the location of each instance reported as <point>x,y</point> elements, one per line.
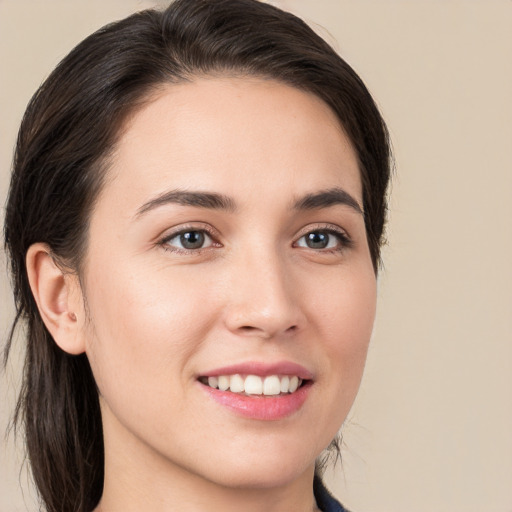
<point>431,428</point>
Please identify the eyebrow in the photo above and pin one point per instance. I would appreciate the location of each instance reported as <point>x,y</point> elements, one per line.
<point>209,200</point>
<point>215,201</point>
<point>326,198</point>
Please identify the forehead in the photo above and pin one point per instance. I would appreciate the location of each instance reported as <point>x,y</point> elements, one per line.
<point>235,136</point>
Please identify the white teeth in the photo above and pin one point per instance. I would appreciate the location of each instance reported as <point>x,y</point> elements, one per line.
<point>253,385</point>
<point>236,384</point>
<point>223,382</point>
<point>271,385</point>
<point>294,384</point>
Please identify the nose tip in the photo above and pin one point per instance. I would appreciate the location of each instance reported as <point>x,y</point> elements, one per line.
<point>265,306</point>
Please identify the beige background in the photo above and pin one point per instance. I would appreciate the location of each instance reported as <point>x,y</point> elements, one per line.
<point>432,426</point>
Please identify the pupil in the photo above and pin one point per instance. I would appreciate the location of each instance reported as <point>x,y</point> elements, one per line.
<point>192,240</point>
<point>317,240</point>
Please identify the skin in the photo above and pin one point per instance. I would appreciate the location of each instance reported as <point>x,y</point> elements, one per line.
<point>158,316</point>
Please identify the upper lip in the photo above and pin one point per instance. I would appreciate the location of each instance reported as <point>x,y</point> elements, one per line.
<point>262,369</point>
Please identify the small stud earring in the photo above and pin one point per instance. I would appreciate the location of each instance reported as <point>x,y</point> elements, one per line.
<point>72,316</point>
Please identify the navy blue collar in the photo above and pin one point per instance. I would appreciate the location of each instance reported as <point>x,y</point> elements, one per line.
<point>324,500</point>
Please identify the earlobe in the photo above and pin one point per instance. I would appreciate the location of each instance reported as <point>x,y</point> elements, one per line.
<point>56,294</point>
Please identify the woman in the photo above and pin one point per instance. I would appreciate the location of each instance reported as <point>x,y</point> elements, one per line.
<point>194,226</point>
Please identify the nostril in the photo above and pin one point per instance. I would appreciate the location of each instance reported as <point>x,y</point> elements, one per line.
<point>249,329</point>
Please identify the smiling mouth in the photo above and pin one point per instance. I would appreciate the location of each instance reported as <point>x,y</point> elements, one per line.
<point>254,385</point>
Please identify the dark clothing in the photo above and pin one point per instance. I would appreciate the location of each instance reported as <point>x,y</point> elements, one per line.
<point>324,499</point>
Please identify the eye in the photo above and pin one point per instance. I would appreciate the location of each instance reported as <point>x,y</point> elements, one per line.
<point>189,240</point>
<point>323,239</point>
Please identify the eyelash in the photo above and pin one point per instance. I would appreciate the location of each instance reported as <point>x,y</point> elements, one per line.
<point>184,230</point>
<point>344,241</point>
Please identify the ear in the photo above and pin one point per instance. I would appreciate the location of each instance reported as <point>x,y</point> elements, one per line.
<point>58,298</point>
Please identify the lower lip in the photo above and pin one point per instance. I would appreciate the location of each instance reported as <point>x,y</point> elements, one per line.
<point>268,408</point>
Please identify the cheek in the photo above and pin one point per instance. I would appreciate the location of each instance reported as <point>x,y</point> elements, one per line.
<point>344,306</point>
<point>345,315</point>
<point>143,329</point>
<point>355,319</point>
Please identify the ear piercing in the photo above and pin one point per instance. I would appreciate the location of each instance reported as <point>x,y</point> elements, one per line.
<point>72,316</point>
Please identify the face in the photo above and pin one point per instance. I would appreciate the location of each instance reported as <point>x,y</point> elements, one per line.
<point>228,249</point>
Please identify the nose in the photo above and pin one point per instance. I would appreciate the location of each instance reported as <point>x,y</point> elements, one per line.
<point>263,298</point>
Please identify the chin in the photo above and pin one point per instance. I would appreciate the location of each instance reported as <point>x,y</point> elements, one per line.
<point>259,469</point>
<point>261,478</point>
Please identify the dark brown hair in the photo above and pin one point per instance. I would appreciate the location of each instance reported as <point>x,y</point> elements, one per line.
<point>67,134</point>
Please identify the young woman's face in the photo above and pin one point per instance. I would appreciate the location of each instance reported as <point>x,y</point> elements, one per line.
<point>228,248</point>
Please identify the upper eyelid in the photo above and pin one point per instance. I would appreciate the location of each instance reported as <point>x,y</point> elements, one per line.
<point>333,228</point>
<point>172,236</point>
<point>171,233</point>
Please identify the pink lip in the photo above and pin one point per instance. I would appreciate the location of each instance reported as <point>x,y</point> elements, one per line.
<point>262,369</point>
<point>267,408</point>
<point>258,407</point>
